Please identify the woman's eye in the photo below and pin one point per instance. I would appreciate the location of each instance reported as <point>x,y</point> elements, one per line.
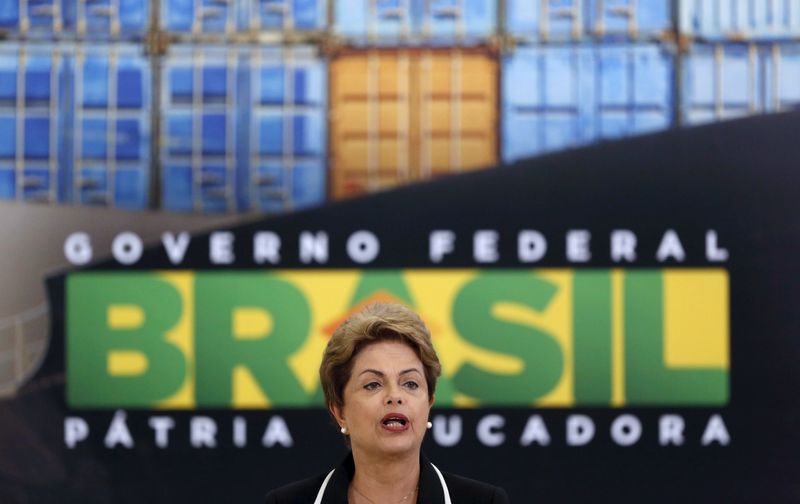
<point>371,386</point>
<point>412,385</point>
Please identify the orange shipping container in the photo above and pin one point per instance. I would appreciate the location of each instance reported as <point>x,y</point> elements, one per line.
<point>402,115</point>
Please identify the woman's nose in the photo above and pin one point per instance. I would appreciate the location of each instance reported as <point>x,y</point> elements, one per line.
<point>393,396</point>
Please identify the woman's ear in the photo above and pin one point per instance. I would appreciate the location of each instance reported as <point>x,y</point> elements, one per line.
<point>432,400</point>
<point>338,414</point>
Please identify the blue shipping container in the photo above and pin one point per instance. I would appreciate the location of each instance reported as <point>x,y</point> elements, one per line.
<point>204,16</point>
<point>103,19</point>
<point>35,19</point>
<point>111,127</point>
<point>440,22</point>
<point>287,15</point>
<point>200,126</point>
<point>287,154</point>
<point>739,20</point>
<point>554,97</point>
<point>723,81</point>
<point>107,19</point>
<point>564,20</point>
<point>31,122</point>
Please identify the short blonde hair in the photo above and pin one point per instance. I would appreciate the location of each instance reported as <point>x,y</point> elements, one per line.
<point>376,322</point>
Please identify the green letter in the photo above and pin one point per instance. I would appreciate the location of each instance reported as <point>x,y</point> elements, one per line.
<point>591,322</point>
<point>540,353</point>
<point>647,380</point>
<point>219,350</point>
<point>116,317</point>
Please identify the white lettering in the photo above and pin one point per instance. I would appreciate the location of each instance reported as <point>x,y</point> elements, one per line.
<point>489,430</point>
<point>277,432</point>
<point>441,242</point>
<point>220,248</point>
<point>118,432</point>
<point>313,247</point>
<point>626,430</point>
<point>623,245</point>
<point>535,432</point>
<point>670,430</point>
<point>203,432</point>
<point>578,245</point>
<point>670,247</point>
<point>78,249</point>
<point>484,246</point>
<point>75,430</point>
<point>176,247</point>
<point>580,430</point>
<point>363,247</point>
<point>161,425</point>
<point>127,248</point>
<point>266,247</point>
<point>239,432</point>
<point>447,431</point>
<point>531,246</point>
<point>713,251</point>
<point>716,431</point>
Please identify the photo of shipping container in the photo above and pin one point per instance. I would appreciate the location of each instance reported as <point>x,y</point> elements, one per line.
<point>403,115</point>
<point>288,88</point>
<point>723,81</point>
<point>111,126</point>
<point>204,16</point>
<point>199,128</point>
<point>31,19</point>
<point>555,97</point>
<point>107,19</point>
<point>415,22</point>
<point>287,15</point>
<point>740,20</point>
<point>573,20</point>
<point>31,121</point>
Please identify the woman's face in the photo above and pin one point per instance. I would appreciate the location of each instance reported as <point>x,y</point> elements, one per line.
<point>386,401</point>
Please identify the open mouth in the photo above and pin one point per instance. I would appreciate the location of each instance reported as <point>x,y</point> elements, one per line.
<point>395,421</point>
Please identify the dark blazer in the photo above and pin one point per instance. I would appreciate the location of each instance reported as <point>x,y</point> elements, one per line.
<point>462,490</point>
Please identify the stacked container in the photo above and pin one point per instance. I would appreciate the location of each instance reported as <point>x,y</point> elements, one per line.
<point>581,71</point>
<point>274,105</point>
<point>413,92</point>
<point>74,102</point>
<point>743,58</point>
<point>242,106</point>
<point>32,151</point>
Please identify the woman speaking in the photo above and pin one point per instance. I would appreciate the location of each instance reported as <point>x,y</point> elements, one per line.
<point>379,374</point>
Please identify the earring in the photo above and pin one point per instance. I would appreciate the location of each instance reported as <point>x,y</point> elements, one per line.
<point>430,424</point>
<point>343,430</point>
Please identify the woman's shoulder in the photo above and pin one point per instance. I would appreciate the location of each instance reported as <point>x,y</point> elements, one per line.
<point>300,492</point>
<point>470,491</point>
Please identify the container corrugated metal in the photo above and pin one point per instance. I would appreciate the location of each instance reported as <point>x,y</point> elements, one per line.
<point>288,133</point>
<point>740,20</point>
<point>401,115</point>
<point>287,15</point>
<point>437,22</point>
<point>32,19</point>
<point>204,16</point>
<point>110,151</point>
<point>723,81</point>
<point>31,121</point>
<point>107,19</point>
<point>554,97</point>
<point>200,125</point>
<point>103,19</point>
<point>565,20</point>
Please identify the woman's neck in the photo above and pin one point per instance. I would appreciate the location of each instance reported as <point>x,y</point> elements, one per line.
<point>385,480</point>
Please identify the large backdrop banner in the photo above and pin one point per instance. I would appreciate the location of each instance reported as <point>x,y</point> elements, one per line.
<point>616,322</point>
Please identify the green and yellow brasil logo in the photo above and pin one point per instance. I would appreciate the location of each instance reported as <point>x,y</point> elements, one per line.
<point>543,337</point>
